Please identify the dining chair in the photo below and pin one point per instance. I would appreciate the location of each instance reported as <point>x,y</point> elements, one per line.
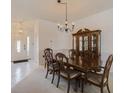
<point>72,53</point>
<point>99,79</point>
<point>50,63</point>
<point>65,70</point>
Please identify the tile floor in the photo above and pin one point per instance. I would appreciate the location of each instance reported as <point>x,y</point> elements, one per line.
<point>33,80</point>
<point>20,70</point>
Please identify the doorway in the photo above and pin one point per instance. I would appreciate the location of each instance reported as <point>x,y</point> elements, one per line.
<point>22,44</point>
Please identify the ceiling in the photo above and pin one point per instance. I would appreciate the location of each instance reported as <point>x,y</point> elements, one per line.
<point>55,12</point>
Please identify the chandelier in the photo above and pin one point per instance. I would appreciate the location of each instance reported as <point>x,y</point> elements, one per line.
<point>65,27</point>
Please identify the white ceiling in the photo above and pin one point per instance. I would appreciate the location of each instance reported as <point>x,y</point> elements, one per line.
<point>52,11</point>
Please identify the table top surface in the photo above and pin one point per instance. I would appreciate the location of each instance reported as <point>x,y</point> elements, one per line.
<point>78,65</point>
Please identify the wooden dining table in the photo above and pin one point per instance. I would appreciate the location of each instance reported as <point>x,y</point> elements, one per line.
<point>78,66</point>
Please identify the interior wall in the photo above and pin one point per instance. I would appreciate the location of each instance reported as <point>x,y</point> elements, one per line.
<point>36,41</point>
<point>49,36</point>
<point>104,22</point>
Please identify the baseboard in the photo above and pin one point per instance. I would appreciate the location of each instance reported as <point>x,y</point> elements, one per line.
<point>20,61</point>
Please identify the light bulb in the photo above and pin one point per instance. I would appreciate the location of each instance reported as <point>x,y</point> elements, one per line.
<point>66,22</point>
<point>58,26</point>
<point>73,23</point>
<point>67,27</point>
<point>20,30</point>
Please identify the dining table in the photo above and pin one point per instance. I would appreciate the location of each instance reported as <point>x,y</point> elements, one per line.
<point>80,67</point>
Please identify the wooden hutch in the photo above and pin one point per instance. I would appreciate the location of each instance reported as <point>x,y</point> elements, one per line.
<point>87,47</point>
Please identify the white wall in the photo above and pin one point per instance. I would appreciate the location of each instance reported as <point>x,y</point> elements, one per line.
<point>104,22</point>
<point>49,36</point>
<point>36,41</point>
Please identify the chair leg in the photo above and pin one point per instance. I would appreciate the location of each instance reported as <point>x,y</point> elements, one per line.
<point>51,71</point>
<point>108,88</point>
<point>45,65</point>
<point>47,73</point>
<point>68,86</point>
<point>53,76</point>
<point>82,85</point>
<point>58,79</point>
<point>79,83</point>
<point>101,89</point>
<point>76,83</point>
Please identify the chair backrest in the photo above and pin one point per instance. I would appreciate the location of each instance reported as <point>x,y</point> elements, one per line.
<point>48,53</point>
<point>60,57</point>
<point>107,69</point>
<point>72,53</point>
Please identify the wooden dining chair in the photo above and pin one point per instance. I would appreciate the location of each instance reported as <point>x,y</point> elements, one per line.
<point>72,54</point>
<point>50,63</point>
<point>65,70</point>
<point>99,79</point>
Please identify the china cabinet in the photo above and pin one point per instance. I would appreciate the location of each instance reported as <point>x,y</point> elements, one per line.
<point>87,46</point>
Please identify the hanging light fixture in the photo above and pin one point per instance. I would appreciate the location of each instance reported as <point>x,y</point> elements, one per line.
<point>65,27</point>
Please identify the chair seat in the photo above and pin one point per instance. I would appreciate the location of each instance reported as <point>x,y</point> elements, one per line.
<point>94,78</point>
<point>56,67</point>
<point>97,78</point>
<point>72,73</point>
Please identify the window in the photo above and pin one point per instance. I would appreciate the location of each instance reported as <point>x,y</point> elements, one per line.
<point>18,46</point>
<point>28,43</point>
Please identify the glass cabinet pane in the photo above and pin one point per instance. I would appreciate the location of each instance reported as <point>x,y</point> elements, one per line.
<point>74,42</point>
<point>80,43</point>
<point>85,43</point>
<point>93,42</point>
